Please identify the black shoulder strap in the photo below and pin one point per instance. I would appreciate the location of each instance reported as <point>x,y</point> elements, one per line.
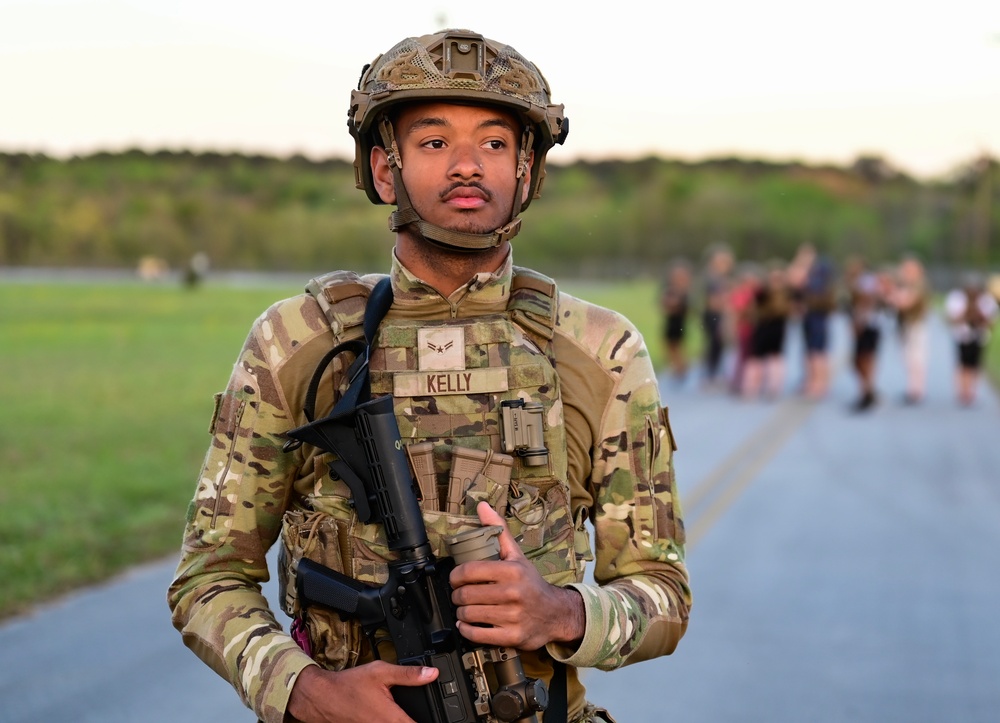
<point>359,389</point>
<point>558,709</point>
<point>359,386</point>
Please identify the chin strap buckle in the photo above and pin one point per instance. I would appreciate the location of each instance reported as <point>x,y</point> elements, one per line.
<point>506,233</point>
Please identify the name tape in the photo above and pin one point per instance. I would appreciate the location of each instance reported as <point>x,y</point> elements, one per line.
<point>470,381</point>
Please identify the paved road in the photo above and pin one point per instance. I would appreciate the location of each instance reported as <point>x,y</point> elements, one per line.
<point>844,568</point>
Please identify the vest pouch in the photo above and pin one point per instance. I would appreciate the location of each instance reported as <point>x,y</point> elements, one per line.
<point>476,476</point>
<point>544,531</point>
<point>318,537</point>
<point>541,522</point>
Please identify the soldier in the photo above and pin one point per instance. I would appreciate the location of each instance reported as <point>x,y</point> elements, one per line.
<point>452,129</point>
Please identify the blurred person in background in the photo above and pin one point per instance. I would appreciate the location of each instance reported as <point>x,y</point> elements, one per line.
<point>971,312</point>
<point>675,305</point>
<point>196,270</point>
<point>910,298</point>
<point>772,305</point>
<point>813,283</point>
<point>865,305</point>
<point>741,306</point>
<point>715,318</point>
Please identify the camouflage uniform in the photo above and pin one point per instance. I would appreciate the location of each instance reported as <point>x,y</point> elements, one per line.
<point>618,472</point>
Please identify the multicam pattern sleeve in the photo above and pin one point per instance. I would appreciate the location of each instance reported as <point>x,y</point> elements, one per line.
<point>639,608</point>
<point>235,516</point>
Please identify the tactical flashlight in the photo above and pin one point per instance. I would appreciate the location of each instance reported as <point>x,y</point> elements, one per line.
<point>523,431</point>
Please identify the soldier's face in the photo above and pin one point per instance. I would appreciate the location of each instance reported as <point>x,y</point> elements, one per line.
<point>459,164</point>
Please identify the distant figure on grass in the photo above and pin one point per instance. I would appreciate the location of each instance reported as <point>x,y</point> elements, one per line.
<point>715,311</point>
<point>196,270</point>
<point>910,298</point>
<point>675,303</point>
<point>865,309</point>
<point>971,312</point>
<point>765,367</point>
<point>812,278</point>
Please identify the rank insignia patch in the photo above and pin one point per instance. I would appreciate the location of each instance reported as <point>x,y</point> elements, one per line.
<point>441,348</point>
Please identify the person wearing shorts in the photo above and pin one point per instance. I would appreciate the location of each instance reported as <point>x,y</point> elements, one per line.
<point>971,312</point>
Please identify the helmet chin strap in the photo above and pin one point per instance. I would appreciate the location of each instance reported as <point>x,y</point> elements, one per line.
<point>406,215</point>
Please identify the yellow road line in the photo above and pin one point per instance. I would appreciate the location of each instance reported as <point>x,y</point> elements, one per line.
<point>747,462</point>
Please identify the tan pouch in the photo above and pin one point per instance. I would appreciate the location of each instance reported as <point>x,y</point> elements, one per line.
<point>318,537</point>
<point>421,458</point>
<point>478,475</point>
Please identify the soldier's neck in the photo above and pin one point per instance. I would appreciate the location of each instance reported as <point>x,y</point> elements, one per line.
<point>445,271</point>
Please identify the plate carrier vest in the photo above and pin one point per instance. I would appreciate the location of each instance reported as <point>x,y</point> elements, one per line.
<point>448,379</point>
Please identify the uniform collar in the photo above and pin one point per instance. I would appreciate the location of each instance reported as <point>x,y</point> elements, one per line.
<point>485,289</point>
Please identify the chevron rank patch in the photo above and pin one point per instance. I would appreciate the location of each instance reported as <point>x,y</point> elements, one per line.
<point>441,348</point>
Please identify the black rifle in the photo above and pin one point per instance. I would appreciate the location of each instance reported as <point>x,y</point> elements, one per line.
<point>475,684</point>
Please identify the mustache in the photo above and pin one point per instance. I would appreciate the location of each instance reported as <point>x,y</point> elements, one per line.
<point>470,184</point>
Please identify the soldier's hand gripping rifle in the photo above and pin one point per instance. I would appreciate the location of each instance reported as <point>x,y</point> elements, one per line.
<point>413,609</point>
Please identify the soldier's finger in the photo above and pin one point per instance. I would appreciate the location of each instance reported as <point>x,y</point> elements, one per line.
<point>497,636</point>
<point>409,675</point>
<point>499,616</point>
<point>470,589</point>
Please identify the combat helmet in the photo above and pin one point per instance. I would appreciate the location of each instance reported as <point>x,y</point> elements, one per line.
<point>452,66</point>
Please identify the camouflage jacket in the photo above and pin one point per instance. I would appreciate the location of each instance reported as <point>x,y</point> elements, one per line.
<point>619,467</point>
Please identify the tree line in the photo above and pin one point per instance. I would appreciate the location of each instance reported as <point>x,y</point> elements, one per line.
<point>609,218</point>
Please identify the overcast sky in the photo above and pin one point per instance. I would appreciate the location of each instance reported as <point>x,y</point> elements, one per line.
<point>915,82</point>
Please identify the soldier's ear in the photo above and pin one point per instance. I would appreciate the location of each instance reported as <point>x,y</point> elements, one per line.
<point>382,175</point>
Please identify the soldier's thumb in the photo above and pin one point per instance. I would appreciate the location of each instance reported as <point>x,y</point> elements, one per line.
<point>509,548</point>
<point>411,675</point>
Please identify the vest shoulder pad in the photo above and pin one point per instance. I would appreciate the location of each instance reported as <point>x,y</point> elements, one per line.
<point>533,302</point>
<point>342,296</point>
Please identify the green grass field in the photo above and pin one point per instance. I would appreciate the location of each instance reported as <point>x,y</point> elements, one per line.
<point>107,394</point>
